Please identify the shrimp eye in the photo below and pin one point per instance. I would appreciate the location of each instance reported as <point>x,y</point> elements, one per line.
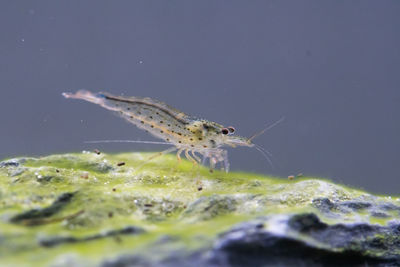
<point>225,131</point>
<point>231,129</point>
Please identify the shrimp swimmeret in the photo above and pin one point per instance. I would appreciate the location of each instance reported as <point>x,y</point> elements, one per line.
<point>187,134</point>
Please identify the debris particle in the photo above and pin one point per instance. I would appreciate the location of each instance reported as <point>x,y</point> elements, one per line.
<point>300,175</point>
<point>114,189</point>
<point>97,151</point>
<point>199,188</point>
<point>57,170</point>
<point>148,205</point>
<point>121,164</point>
<point>110,214</point>
<point>85,175</point>
<point>290,177</point>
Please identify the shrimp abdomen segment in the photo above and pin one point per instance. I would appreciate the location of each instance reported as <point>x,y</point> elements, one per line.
<point>153,116</point>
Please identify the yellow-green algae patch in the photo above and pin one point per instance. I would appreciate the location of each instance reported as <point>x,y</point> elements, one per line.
<point>86,208</point>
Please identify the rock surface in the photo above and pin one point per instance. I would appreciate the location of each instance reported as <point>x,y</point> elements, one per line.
<point>89,209</point>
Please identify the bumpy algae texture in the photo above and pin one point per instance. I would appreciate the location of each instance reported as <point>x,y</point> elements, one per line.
<point>92,209</point>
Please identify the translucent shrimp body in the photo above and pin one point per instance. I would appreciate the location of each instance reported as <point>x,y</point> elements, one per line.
<point>187,134</point>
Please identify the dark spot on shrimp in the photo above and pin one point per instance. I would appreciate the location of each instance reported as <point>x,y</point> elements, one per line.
<point>192,145</point>
<point>142,122</point>
<point>151,117</point>
<point>152,126</point>
<point>167,139</point>
<point>179,142</point>
<point>204,146</point>
<point>180,134</point>
<point>205,126</point>
<point>128,108</point>
<point>200,138</point>
<point>161,122</point>
<point>169,124</point>
<point>191,139</point>
<point>161,131</point>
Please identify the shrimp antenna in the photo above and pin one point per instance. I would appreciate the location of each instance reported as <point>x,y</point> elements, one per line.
<point>266,154</point>
<point>127,141</point>
<point>266,128</point>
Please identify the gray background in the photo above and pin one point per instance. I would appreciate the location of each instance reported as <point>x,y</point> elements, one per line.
<point>330,67</point>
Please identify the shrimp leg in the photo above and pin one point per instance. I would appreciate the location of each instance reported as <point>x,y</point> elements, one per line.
<point>190,157</point>
<point>195,156</point>
<point>225,160</point>
<point>178,155</point>
<point>171,149</point>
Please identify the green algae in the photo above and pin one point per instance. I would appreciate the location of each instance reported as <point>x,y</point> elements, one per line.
<point>189,205</point>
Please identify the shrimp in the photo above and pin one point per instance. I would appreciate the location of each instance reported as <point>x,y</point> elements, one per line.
<point>187,134</point>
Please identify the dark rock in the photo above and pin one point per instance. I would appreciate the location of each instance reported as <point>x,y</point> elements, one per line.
<point>323,204</point>
<point>379,214</point>
<point>55,241</point>
<point>54,208</point>
<point>9,163</point>
<point>306,222</point>
<point>356,205</point>
<point>249,246</point>
<point>389,207</point>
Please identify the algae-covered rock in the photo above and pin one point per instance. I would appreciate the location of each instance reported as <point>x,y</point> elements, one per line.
<point>94,209</point>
